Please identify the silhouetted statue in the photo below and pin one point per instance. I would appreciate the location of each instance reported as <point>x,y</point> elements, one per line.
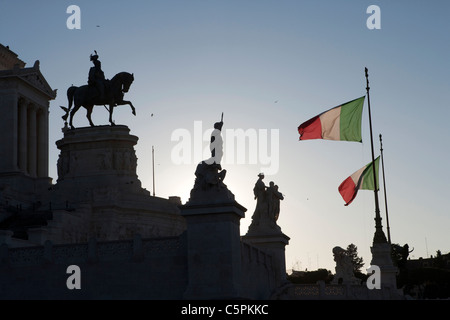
<point>209,174</point>
<point>259,191</point>
<point>99,92</point>
<point>400,257</point>
<point>344,267</point>
<point>267,208</point>
<point>274,197</point>
<point>216,144</point>
<point>96,76</point>
<point>401,254</point>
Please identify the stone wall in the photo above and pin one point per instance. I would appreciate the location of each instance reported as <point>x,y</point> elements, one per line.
<point>136,269</point>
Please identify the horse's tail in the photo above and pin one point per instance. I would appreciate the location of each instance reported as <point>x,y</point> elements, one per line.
<point>70,94</point>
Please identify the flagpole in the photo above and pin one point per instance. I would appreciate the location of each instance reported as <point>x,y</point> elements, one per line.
<point>153,168</point>
<point>379,236</point>
<point>385,195</point>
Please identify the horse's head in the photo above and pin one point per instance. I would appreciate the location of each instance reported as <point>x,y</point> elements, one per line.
<point>127,81</point>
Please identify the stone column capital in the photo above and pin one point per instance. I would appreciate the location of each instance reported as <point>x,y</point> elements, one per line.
<point>23,102</point>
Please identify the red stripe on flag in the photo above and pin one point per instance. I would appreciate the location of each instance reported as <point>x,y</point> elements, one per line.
<point>311,129</point>
<point>348,190</point>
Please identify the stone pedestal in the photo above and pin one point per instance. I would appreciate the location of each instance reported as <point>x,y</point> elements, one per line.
<point>381,257</point>
<point>99,188</point>
<point>214,250</point>
<point>266,234</point>
<point>273,243</point>
<point>37,235</point>
<point>97,157</point>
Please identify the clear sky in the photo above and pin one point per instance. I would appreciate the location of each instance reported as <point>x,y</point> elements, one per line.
<point>269,66</point>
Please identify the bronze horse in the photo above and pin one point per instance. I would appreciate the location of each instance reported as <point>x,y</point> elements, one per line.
<point>84,96</point>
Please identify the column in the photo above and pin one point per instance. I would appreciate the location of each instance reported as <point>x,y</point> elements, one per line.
<point>42,142</point>
<point>22,141</point>
<point>8,132</point>
<point>32,140</point>
<point>14,132</point>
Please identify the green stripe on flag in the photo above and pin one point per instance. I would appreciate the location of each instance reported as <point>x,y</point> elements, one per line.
<point>350,120</point>
<point>368,183</point>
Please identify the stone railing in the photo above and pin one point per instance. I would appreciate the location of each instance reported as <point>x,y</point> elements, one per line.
<point>322,291</point>
<point>258,272</point>
<point>93,251</point>
<point>251,254</point>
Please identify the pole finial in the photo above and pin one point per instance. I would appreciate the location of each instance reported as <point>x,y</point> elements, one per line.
<point>381,146</point>
<point>367,79</point>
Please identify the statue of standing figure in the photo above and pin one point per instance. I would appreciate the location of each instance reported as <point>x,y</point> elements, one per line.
<point>216,144</point>
<point>209,174</point>
<point>259,191</point>
<point>268,200</point>
<point>274,197</point>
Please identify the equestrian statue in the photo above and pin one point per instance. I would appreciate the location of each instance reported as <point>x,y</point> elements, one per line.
<point>99,91</point>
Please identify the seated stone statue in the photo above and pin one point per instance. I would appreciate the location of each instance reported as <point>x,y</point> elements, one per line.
<point>344,268</point>
<point>209,176</point>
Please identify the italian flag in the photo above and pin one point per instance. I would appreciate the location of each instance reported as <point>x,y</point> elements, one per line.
<point>361,179</point>
<point>341,123</point>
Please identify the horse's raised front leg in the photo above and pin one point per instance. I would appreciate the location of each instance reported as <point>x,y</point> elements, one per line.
<point>133,110</point>
<point>111,109</point>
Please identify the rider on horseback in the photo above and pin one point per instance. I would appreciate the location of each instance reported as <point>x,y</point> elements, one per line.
<point>97,77</point>
<point>99,91</point>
